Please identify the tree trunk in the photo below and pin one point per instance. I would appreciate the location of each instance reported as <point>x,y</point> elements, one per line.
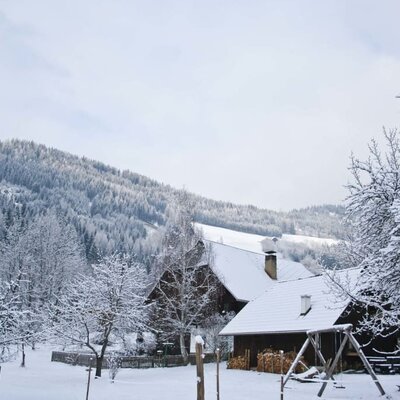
<point>23,355</point>
<point>99,362</point>
<point>100,357</point>
<point>184,352</point>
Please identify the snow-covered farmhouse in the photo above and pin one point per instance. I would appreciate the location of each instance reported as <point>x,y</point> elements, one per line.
<point>244,275</point>
<point>281,316</point>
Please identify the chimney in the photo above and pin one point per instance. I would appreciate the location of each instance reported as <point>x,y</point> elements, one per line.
<point>305,304</point>
<point>269,248</point>
<point>270,265</point>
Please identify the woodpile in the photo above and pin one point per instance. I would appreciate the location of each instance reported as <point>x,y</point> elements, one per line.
<point>237,363</point>
<point>270,361</point>
<point>267,361</point>
<point>240,362</point>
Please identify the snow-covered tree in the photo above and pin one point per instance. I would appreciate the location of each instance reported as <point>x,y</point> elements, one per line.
<point>10,321</point>
<point>56,256</point>
<point>37,261</point>
<point>211,329</point>
<point>16,268</point>
<point>99,306</point>
<point>186,289</point>
<point>373,209</point>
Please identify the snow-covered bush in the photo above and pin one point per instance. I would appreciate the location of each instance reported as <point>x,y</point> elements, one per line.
<point>113,364</point>
<point>211,330</point>
<point>136,344</point>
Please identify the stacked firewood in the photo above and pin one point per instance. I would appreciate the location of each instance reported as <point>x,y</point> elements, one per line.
<point>240,362</point>
<point>270,361</point>
<point>237,363</point>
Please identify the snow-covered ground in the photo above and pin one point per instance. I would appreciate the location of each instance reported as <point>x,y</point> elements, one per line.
<point>44,380</point>
<point>241,240</point>
<point>251,241</point>
<point>309,240</point>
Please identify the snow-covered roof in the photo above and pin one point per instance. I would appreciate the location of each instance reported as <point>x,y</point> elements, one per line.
<point>278,309</point>
<point>242,272</point>
<point>289,270</point>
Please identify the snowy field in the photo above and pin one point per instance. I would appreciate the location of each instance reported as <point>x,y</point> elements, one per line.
<point>44,380</point>
<point>251,241</point>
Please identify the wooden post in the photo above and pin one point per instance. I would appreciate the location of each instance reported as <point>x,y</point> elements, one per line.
<point>88,380</point>
<point>199,369</point>
<point>218,359</point>
<point>281,354</point>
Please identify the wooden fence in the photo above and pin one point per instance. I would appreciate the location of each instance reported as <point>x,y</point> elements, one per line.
<point>83,359</point>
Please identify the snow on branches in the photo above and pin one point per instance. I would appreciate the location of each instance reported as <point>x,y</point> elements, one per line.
<point>373,208</point>
<point>10,321</point>
<point>36,262</point>
<point>100,306</point>
<point>186,288</point>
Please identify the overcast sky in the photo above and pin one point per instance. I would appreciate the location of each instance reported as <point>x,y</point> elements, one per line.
<point>255,102</point>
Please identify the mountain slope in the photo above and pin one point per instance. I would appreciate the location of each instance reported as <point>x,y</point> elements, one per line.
<point>114,209</point>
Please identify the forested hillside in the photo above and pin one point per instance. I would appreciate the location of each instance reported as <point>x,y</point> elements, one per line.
<point>115,210</point>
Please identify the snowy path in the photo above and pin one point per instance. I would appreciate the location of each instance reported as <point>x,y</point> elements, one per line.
<point>43,380</point>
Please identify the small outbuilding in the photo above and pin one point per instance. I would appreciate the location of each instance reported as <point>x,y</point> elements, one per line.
<point>280,318</point>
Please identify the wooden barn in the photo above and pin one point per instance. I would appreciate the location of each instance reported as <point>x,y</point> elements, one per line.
<point>280,318</point>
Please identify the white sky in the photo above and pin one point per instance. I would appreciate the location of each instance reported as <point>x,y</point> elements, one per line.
<point>256,102</point>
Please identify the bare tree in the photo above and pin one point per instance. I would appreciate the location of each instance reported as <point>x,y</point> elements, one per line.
<point>186,291</point>
<point>98,305</point>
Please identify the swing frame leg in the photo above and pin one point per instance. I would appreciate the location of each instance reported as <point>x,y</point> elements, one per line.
<point>366,363</point>
<point>296,361</point>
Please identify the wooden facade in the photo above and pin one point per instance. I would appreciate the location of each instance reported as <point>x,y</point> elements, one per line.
<point>281,341</point>
<point>329,344</point>
<point>226,302</point>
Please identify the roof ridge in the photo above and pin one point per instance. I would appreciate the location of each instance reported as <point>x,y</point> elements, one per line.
<point>301,279</point>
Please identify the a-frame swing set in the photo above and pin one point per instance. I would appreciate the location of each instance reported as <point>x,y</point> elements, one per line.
<point>329,368</point>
